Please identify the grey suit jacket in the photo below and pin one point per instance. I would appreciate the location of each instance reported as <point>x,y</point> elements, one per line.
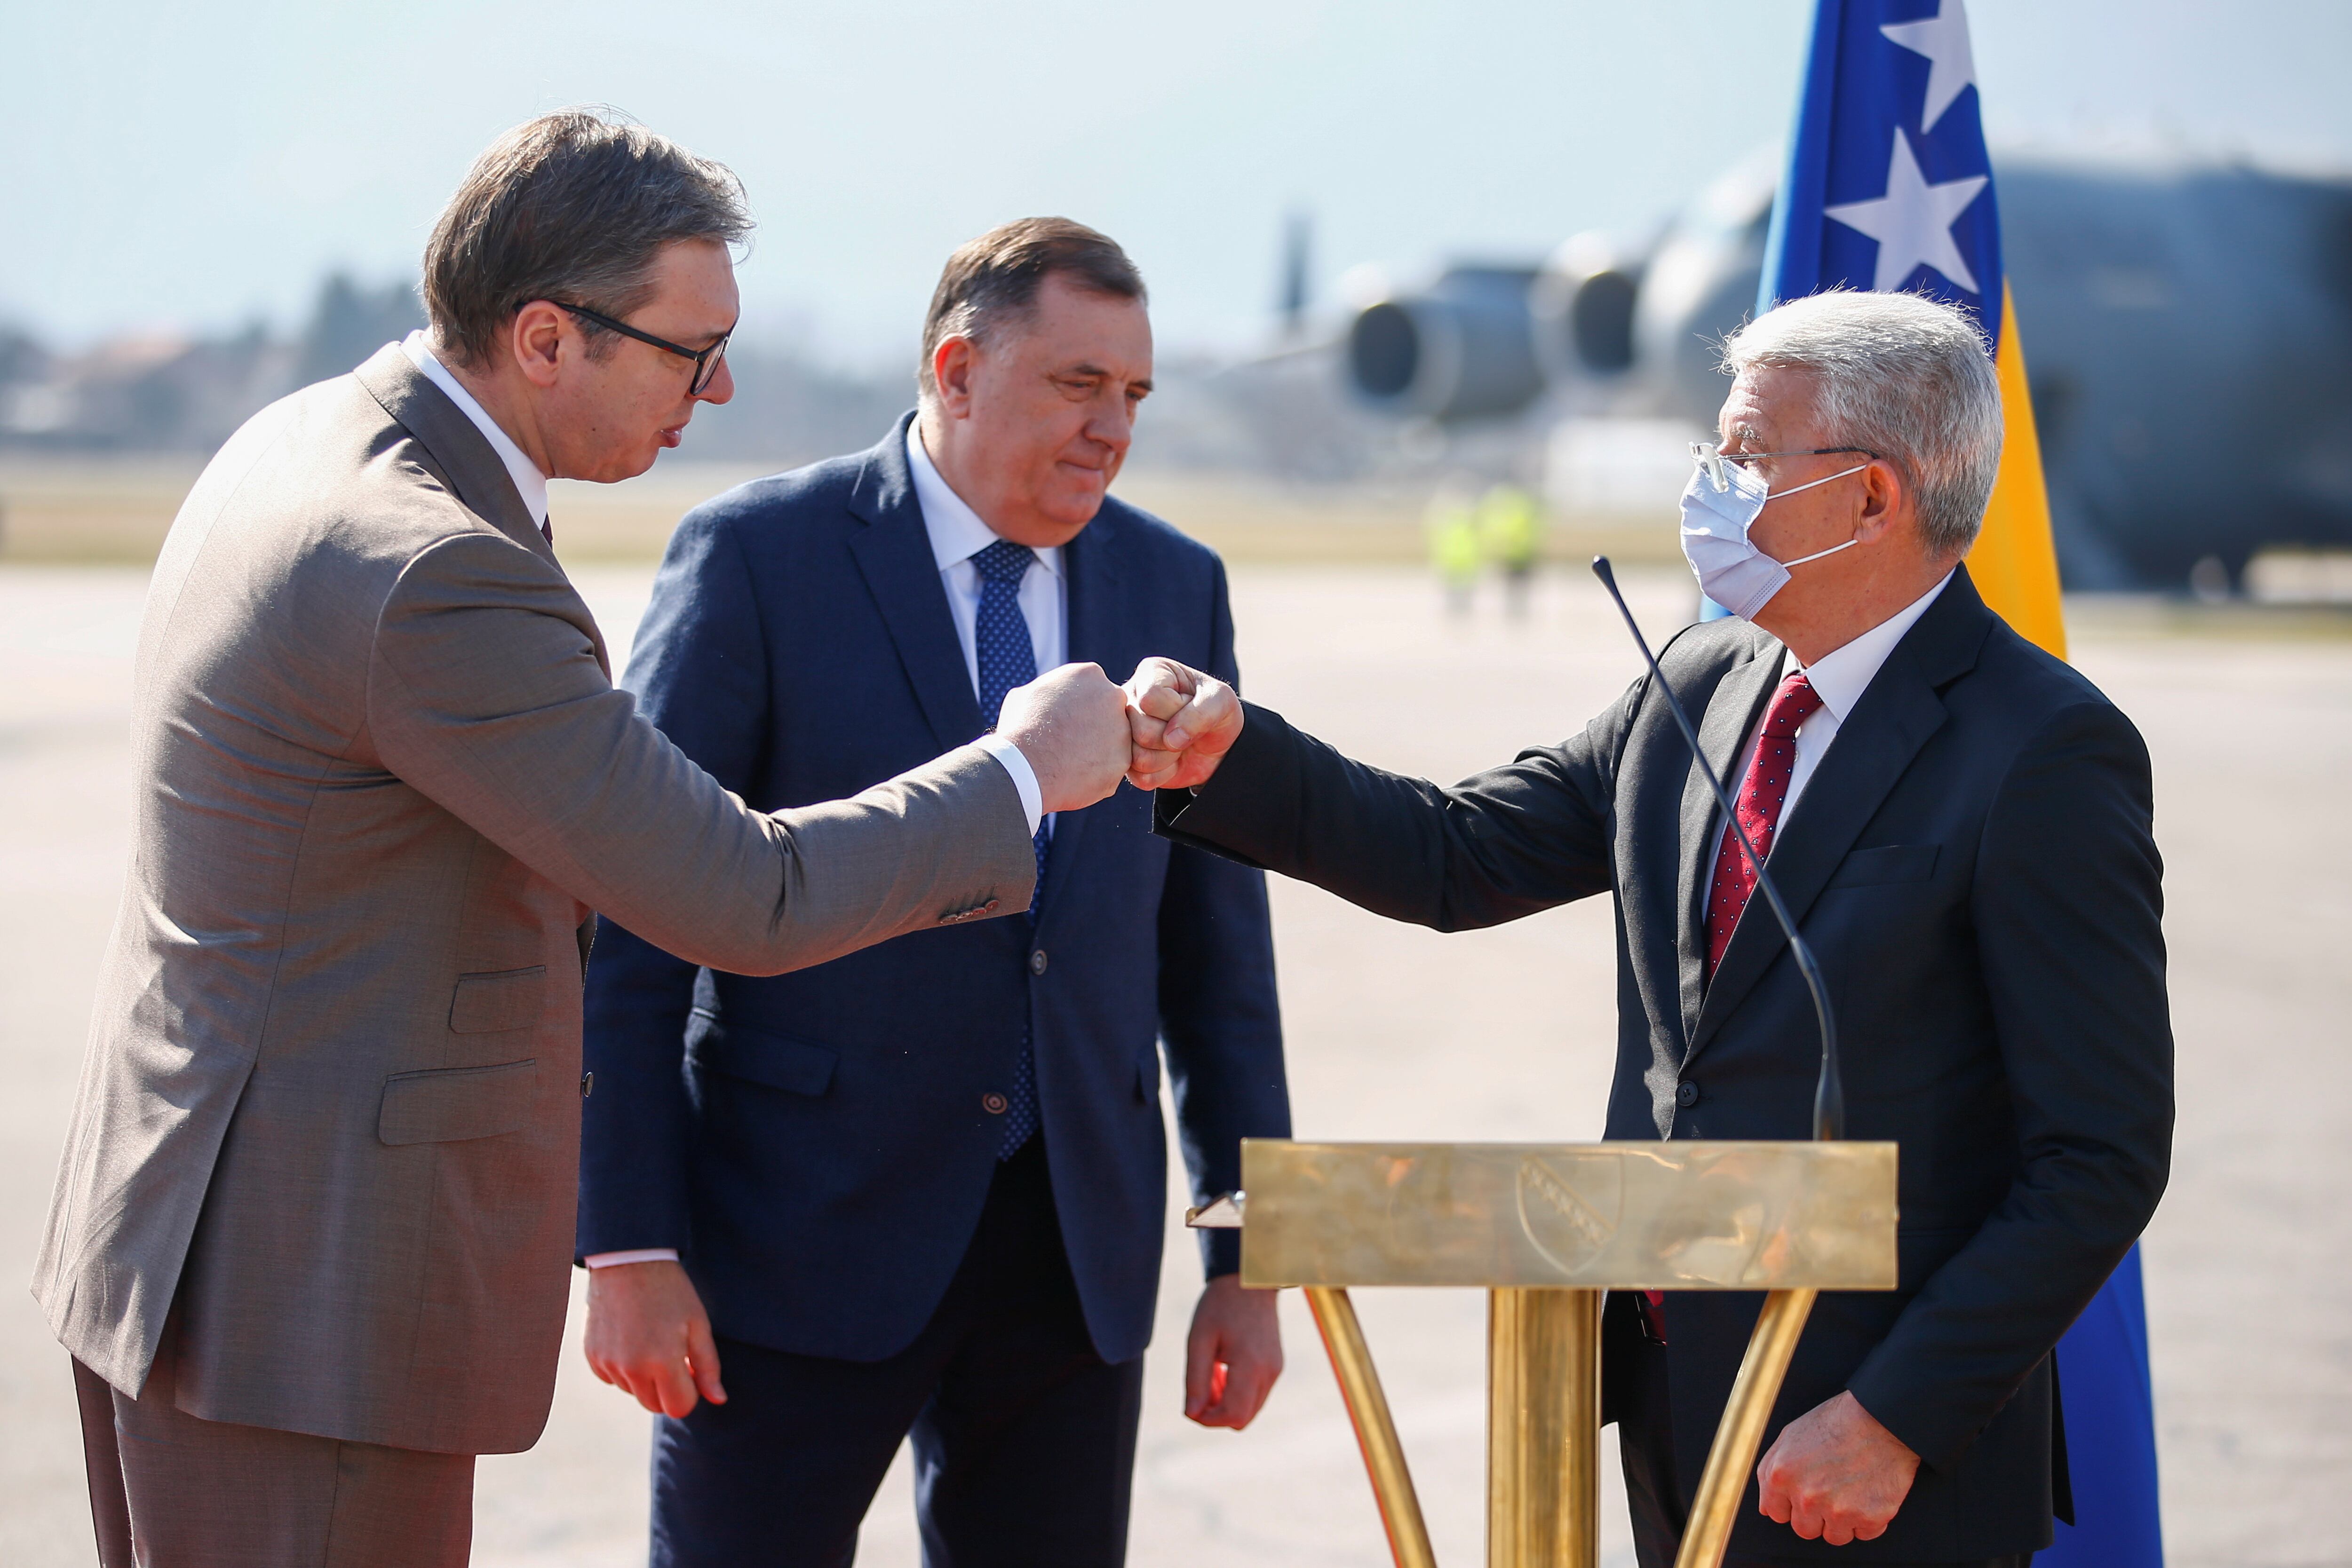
<point>331,1104</point>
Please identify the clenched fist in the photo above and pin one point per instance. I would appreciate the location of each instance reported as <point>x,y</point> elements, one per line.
<point>1182,722</point>
<point>1834,1474</point>
<point>1071,724</point>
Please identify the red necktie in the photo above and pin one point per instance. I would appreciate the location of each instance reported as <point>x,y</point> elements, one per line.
<point>1761,796</point>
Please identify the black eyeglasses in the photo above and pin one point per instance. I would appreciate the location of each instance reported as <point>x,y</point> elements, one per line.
<point>705,360</point>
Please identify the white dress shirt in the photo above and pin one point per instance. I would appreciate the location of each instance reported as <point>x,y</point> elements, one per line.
<point>956,535</point>
<point>1839,678</point>
<point>529,482</point>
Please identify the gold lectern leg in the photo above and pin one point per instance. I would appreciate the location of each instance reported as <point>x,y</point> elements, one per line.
<point>1543,1429</point>
<point>1367,1412</point>
<point>1741,1431</point>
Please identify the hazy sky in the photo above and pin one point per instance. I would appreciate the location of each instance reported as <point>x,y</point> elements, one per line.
<point>193,166</point>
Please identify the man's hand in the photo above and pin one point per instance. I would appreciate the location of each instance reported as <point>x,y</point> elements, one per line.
<point>1071,724</point>
<point>1232,1355</point>
<point>1836,1474</point>
<point>1183,724</point>
<point>648,1335</point>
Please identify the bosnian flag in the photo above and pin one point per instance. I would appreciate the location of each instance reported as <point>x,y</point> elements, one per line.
<point>1889,187</point>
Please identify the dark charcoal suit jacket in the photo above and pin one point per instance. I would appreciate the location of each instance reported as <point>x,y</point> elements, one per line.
<point>816,1144</point>
<point>1973,863</point>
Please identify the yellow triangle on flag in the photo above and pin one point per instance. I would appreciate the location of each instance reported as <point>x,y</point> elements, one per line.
<point>2013,562</point>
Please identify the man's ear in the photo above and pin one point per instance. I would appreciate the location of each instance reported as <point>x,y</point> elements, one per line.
<point>1883,496</point>
<point>953,364</point>
<point>536,341</point>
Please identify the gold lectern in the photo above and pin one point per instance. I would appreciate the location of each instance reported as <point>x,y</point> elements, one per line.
<point>1546,1229</point>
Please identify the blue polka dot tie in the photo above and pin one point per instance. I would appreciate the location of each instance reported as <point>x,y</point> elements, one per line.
<point>1761,796</point>
<point>1007,659</point>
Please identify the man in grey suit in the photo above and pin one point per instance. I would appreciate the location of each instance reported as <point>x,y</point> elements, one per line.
<point>313,1224</point>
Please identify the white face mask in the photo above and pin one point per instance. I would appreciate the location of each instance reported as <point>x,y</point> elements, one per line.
<point>1719,504</point>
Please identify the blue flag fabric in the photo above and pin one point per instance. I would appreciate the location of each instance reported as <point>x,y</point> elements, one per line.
<point>2110,1433</point>
<point>1889,187</point>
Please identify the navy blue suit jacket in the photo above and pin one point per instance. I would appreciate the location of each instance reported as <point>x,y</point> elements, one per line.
<point>816,1144</point>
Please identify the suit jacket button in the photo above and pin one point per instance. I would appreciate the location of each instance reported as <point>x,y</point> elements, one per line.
<point>992,1103</point>
<point>587,1084</point>
<point>1686,1094</point>
<point>1037,962</point>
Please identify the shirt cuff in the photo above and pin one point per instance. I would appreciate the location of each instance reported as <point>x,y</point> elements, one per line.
<point>642,1255</point>
<point>1025,777</point>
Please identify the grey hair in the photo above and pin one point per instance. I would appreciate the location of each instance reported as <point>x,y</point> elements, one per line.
<point>572,208</point>
<point>1901,375</point>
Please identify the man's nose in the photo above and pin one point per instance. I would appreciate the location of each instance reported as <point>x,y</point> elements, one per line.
<point>722,385</point>
<point>1113,424</point>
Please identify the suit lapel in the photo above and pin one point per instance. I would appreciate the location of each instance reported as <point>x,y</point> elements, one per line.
<point>1101,627</point>
<point>1874,748</point>
<point>1739,696</point>
<point>465,461</point>
<point>893,550</point>
<point>460,451</point>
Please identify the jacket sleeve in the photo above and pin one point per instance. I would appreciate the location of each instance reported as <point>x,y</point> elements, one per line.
<point>1504,843</point>
<point>2068,906</point>
<point>1218,1013</point>
<point>699,671</point>
<point>483,693</point>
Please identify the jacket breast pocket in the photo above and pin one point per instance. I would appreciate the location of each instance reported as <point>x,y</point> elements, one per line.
<point>758,1056</point>
<point>507,998</point>
<point>455,1103</point>
<point>1887,863</point>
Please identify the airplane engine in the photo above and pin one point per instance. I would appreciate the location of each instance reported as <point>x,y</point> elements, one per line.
<point>1582,305</point>
<point>1463,348</point>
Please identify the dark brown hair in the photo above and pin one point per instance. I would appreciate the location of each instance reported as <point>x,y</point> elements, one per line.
<point>998,274</point>
<point>575,207</point>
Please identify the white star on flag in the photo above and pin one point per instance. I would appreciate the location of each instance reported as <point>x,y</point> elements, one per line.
<point>1943,39</point>
<point>1913,221</point>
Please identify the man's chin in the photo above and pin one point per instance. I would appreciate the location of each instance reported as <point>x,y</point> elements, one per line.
<point>614,469</point>
<point>1076,507</point>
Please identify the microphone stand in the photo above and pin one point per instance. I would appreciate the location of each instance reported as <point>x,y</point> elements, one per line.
<point>1828,1091</point>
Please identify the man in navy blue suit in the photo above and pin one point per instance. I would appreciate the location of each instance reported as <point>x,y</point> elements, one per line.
<point>921,1191</point>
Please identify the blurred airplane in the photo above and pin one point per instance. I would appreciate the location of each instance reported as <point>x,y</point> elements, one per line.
<point>2187,330</point>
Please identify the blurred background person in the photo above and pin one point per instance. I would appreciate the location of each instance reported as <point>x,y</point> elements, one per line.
<point>1455,552</point>
<point>922,1190</point>
<point>1510,532</point>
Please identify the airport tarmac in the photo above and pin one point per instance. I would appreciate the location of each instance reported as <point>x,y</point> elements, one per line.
<point>1401,1033</point>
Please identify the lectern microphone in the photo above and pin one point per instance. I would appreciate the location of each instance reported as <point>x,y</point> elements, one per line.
<point>1828,1091</point>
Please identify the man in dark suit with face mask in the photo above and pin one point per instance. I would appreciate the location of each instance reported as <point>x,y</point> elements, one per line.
<point>1961,825</point>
